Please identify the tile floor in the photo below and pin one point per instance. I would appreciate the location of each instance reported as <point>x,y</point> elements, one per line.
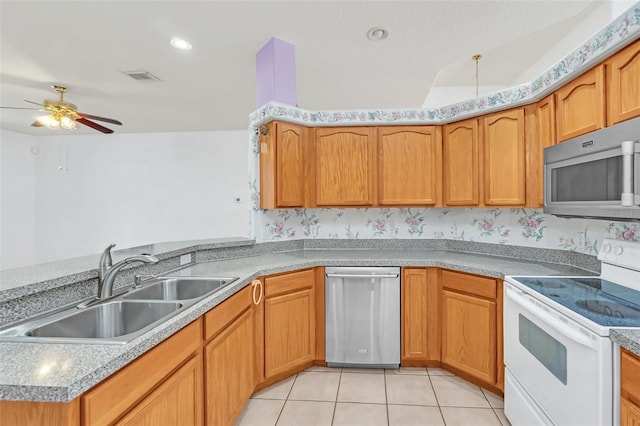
<point>352,397</point>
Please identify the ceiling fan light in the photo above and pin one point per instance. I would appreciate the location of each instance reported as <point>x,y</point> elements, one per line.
<point>67,123</point>
<point>48,121</point>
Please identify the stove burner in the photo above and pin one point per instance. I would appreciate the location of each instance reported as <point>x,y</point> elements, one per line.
<point>609,309</point>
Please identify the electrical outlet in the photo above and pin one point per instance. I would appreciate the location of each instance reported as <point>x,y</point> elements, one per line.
<point>185,259</point>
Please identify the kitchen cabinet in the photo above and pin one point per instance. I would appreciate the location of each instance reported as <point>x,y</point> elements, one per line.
<point>580,105</point>
<point>409,166</point>
<point>173,402</point>
<point>282,165</point>
<point>629,389</point>
<point>420,317</point>
<point>345,166</point>
<point>503,164</point>
<point>161,393</point>
<point>623,84</point>
<point>470,327</point>
<point>461,163</point>
<point>289,323</point>
<point>545,136</point>
<point>229,357</point>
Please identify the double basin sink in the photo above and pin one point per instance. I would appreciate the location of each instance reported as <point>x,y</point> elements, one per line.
<point>119,319</point>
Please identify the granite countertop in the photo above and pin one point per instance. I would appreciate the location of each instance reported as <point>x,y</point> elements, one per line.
<point>62,372</point>
<point>627,338</point>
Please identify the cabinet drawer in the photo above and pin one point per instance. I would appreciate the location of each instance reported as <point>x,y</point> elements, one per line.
<point>217,319</point>
<point>287,283</point>
<point>472,284</point>
<point>630,375</point>
<point>107,401</point>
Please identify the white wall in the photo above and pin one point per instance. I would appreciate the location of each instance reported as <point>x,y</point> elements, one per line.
<point>130,189</point>
<point>17,199</point>
<point>602,16</point>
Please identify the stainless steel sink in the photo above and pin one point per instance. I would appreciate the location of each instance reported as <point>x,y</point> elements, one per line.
<point>179,288</point>
<point>119,319</point>
<point>106,321</point>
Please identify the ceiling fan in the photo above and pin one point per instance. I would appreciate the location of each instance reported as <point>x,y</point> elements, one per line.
<point>62,114</point>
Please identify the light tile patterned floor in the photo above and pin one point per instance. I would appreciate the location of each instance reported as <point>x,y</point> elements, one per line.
<point>352,397</point>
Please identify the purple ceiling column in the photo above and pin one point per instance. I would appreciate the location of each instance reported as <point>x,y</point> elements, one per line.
<point>276,73</point>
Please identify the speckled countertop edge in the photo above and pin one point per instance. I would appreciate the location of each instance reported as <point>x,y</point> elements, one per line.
<point>61,372</point>
<point>626,338</point>
<point>20,282</point>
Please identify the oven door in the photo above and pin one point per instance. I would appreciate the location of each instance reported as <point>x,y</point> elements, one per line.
<point>564,368</point>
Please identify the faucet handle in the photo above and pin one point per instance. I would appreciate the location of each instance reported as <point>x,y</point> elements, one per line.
<point>137,280</point>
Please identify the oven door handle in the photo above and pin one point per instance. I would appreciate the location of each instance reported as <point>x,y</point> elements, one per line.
<point>548,319</point>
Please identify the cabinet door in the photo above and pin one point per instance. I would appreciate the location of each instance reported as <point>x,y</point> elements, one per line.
<point>345,166</point>
<point>177,401</point>
<point>282,166</point>
<point>420,316</point>
<point>623,84</point>
<point>580,105</point>
<point>229,361</point>
<point>504,158</point>
<point>469,334</point>
<point>289,322</point>
<point>409,166</point>
<point>546,129</point>
<point>461,163</point>
<point>629,413</point>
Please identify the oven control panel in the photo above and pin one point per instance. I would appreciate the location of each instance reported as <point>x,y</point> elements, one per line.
<point>621,253</point>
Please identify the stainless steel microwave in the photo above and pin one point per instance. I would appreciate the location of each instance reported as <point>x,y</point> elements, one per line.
<point>596,175</point>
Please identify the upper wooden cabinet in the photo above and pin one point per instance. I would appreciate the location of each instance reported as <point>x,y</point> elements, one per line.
<point>504,162</point>
<point>545,136</point>
<point>623,84</point>
<point>409,166</point>
<point>461,149</point>
<point>580,105</point>
<point>345,166</point>
<point>282,166</point>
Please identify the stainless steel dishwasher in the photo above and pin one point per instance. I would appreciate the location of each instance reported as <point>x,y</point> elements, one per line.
<point>362,317</point>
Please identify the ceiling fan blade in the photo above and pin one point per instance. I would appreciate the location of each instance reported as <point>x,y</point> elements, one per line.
<point>31,102</point>
<point>36,124</point>
<point>95,117</point>
<point>93,125</point>
<point>34,109</point>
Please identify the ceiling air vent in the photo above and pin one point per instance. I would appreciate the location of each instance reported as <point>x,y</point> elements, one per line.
<point>141,75</point>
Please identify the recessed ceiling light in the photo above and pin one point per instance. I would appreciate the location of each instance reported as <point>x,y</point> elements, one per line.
<point>181,44</point>
<point>377,34</point>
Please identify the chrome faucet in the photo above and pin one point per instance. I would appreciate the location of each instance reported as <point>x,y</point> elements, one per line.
<point>107,271</point>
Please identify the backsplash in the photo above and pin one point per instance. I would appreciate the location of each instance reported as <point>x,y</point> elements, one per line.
<point>520,227</point>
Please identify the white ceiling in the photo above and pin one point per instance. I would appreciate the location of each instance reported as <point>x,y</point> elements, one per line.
<point>87,44</point>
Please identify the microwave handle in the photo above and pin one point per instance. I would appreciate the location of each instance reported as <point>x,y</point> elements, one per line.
<point>627,173</point>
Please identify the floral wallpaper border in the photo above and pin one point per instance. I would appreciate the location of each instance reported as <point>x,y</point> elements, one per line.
<point>624,29</point>
<point>523,227</point>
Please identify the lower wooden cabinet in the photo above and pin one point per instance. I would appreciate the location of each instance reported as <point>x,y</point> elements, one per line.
<point>177,401</point>
<point>229,358</point>
<point>150,380</point>
<point>629,389</point>
<point>471,307</point>
<point>289,322</point>
<point>420,317</point>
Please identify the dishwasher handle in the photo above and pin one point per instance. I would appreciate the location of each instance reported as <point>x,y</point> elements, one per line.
<point>361,276</point>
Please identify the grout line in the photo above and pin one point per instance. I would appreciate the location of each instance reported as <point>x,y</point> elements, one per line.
<point>285,401</point>
<point>335,403</point>
<point>386,397</point>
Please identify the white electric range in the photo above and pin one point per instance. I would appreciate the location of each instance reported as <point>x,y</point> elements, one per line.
<point>561,366</point>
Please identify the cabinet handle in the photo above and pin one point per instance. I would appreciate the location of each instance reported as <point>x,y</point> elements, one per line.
<point>257,284</point>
